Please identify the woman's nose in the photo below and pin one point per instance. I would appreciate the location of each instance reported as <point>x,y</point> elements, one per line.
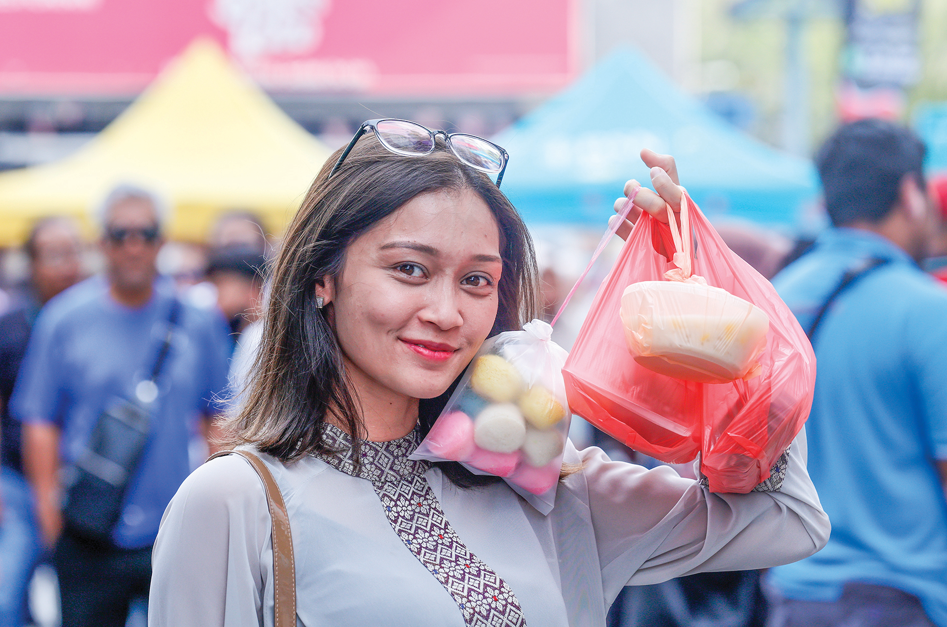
<point>442,306</point>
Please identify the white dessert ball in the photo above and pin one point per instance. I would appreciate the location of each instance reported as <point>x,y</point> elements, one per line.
<point>541,446</point>
<point>500,428</point>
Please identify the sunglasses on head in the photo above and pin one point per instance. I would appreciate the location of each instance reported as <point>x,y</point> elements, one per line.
<point>413,140</point>
<point>119,236</point>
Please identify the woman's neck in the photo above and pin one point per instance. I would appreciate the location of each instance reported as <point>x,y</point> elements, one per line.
<point>387,422</point>
<point>386,415</point>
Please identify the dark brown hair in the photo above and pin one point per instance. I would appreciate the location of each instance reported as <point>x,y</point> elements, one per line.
<point>861,166</point>
<point>299,373</point>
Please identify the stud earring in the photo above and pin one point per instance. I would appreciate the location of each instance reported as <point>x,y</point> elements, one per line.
<point>320,302</point>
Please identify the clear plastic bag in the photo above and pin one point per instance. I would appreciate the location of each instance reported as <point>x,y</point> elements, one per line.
<point>739,426</point>
<point>509,415</point>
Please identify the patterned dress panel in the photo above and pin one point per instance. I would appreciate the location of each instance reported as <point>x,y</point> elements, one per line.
<point>416,517</point>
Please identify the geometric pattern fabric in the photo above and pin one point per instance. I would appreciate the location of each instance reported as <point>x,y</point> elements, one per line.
<point>415,515</point>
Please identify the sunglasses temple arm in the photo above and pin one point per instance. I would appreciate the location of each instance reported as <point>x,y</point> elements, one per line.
<point>348,149</point>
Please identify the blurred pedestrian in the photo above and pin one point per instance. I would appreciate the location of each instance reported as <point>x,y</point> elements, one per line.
<point>53,249</point>
<point>239,229</point>
<point>878,427</point>
<point>236,272</point>
<point>115,361</point>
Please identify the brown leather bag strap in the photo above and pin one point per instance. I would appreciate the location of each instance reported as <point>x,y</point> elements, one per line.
<point>284,568</point>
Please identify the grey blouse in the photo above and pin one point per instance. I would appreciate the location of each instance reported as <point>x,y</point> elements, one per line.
<point>614,524</point>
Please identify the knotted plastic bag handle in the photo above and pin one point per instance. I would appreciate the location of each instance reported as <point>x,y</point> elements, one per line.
<point>683,256</point>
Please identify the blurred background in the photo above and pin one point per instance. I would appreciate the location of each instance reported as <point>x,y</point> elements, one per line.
<point>230,107</point>
<point>739,90</point>
<point>233,105</point>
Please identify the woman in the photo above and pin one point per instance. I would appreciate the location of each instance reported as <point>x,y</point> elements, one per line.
<point>397,266</point>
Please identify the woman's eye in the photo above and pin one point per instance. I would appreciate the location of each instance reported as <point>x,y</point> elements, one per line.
<point>477,280</point>
<point>411,270</point>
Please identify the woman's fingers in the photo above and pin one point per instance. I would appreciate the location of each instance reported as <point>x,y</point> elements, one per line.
<point>666,188</point>
<point>619,204</point>
<point>624,230</point>
<point>667,193</point>
<point>665,162</point>
<point>646,200</point>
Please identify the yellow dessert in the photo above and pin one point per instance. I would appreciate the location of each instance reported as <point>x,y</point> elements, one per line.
<point>541,408</point>
<point>496,379</point>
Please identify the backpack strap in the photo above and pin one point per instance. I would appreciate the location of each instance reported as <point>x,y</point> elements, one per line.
<point>853,274</point>
<point>284,568</point>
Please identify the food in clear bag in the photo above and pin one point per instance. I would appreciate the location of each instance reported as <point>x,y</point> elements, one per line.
<point>730,384</point>
<point>509,415</point>
<point>693,331</point>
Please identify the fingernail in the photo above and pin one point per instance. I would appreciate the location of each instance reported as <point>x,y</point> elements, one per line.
<point>655,170</point>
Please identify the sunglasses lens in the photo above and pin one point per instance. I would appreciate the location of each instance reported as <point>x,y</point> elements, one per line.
<point>477,152</point>
<point>405,138</point>
<point>148,235</point>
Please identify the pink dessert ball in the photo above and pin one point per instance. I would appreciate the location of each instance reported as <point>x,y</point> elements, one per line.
<point>499,464</point>
<point>536,480</point>
<point>452,437</point>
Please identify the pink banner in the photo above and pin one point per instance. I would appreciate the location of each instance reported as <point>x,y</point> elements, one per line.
<point>409,47</point>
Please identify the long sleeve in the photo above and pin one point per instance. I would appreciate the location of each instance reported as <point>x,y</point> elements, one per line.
<point>614,524</point>
<point>214,537</point>
<point>652,525</point>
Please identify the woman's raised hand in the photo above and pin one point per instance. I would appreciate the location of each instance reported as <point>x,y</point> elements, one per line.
<point>667,192</point>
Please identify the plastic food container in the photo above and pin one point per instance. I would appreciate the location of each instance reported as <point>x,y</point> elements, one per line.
<point>692,331</point>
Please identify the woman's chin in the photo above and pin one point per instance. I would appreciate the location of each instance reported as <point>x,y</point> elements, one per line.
<point>428,392</point>
<point>428,385</point>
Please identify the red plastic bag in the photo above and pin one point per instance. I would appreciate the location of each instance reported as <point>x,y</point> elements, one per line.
<point>741,427</point>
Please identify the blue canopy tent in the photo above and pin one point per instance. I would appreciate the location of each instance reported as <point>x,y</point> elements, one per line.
<point>570,157</point>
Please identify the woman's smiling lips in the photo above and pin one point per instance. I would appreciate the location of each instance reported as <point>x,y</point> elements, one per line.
<point>434,351</point>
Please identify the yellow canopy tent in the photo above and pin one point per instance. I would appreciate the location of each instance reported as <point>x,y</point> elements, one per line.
<point>202,135</point>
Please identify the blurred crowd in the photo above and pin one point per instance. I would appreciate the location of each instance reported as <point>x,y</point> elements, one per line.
<point>111,306</point>
<point>138,318</point>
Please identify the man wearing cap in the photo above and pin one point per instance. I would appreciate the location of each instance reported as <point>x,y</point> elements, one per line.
<point>122,340</point>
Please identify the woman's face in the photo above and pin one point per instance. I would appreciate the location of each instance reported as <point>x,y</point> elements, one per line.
<point>418,295</point>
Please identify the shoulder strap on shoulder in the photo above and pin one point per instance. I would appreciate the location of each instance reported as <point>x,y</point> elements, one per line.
<point>853,274</point>
<point>284,568</point>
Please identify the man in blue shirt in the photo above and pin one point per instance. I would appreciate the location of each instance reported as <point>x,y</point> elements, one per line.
<point>54,249</point>
<point>878,427</point>
<point>94,342</point>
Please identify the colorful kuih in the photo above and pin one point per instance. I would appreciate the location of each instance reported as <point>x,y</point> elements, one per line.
<point>509,416</point>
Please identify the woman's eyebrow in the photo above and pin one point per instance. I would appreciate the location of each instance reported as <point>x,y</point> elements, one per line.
<point>421,248</point>
<point>433,252</point>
